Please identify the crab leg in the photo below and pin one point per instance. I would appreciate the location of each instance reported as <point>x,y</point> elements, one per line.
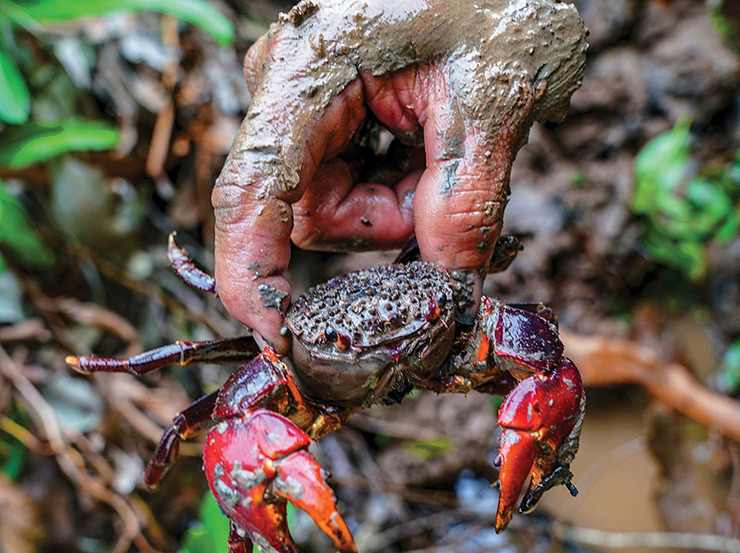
<point>229,350</point>
<point>506,249</point>
<point>238,540</point>
<point>519,353</point>
<point>541,417</point>
<point>186,269</point>
<point>184,426</point>
<point>256,458</point>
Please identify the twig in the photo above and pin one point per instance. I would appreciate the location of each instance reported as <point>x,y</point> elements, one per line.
<point>91,314</point>
<point>407,493</point>
<point>658,540</point>
<point>192,313</point>
<point>127,410</point>
<point>27,330</point>
<point>24,436</point>
<point>604,361</point>
<point>394,429</point>
<point>48,311</point>
<point>69,459</point>
<point>620,540</point>
<point>160,141</point>
<point>412,527</point>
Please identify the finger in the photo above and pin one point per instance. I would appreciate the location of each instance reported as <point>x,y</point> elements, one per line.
<point>317,53</point>
<point>334,214</point>
<point>254,63</point>
<point>274,157</point>
<point>460,199</point>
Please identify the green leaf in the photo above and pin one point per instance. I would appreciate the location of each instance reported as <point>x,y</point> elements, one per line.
<point>713,211</point>
<point>730,229</point>
<point>660,166</point>
<point>12,451</point>
<point>212,534</point>
<point>681,214</point>
<point>730,370</point>
<point>29,144</point>
<point>688,257</point>
<point>197,12</point>
<point>197,540</point>
<point>15,100</point>
<point>496,402</point>
<point>428,449</point>
<point>18,236</point>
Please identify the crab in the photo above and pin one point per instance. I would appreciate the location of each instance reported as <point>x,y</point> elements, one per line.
<point>364,338</point>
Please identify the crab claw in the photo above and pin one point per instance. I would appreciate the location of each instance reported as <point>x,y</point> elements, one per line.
<point>254,465</point>
<point>541,424</point>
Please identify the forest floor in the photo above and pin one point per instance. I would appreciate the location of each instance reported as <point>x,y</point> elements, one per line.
<point>648,303</point>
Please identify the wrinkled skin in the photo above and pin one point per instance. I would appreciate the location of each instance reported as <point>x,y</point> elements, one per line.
<point>365,338</point>
<point>458,84</point>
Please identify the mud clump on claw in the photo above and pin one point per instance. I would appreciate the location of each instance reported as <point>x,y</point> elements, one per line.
<point>371,307</point>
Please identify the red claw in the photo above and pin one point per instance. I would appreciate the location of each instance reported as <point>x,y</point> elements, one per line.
<point>254,465</point>
<point>541,423</point>
<point>516,455</point>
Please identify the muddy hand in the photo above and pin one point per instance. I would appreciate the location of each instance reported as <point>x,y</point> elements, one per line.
<point>457,83</point>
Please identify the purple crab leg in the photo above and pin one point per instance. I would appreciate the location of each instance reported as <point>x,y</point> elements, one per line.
<point>184,426</point>
<point>538,308</point>
<point>504,252</point>
<point>186,269</point>
<point>409,251</point>
<point>229,350</point>
<point>506,249</point>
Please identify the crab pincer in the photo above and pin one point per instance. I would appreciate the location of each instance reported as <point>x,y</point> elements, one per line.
<point>254,465</point>
<point>540,421</point>
<point>542,414</point>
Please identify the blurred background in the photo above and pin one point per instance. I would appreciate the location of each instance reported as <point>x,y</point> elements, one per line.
<point>115,118</point>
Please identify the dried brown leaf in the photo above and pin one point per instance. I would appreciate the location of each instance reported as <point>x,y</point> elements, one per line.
<point>20,531</point>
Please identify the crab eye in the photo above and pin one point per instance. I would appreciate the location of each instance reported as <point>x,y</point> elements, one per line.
<point>340,341</point>
<point>331,335</point>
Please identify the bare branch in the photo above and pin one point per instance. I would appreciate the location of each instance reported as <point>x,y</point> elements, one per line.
<point>604,361</point>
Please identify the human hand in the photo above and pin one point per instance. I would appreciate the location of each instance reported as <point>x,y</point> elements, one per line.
<point>462,80</point>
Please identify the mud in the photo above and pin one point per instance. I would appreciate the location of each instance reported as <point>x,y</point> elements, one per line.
<point>466,288</point>
<point>534,54</point>
<point>272,297</point>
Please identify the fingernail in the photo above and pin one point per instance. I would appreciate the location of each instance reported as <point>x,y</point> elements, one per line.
<point>261,342</point>
<point>281,342</point>
<point>467,289</point>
